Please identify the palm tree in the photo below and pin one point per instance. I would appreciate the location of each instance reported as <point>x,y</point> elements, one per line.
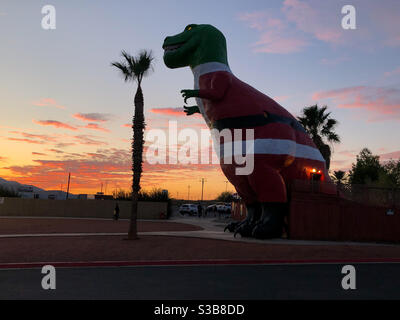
<point>339,176</point>
<point>318,123</point>
<point>135,69</point>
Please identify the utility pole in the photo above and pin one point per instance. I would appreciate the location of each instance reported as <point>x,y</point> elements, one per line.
<point>226,186</point>
<point>202,188</point>
<point>69,179</point>
<point>188,192</point>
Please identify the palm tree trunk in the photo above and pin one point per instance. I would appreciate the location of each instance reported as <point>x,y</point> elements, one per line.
<point>137,159</point>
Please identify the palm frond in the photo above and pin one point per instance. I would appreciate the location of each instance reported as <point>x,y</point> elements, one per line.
<point>130,61</point>
<point>333,137</point>
<point>124,69</point>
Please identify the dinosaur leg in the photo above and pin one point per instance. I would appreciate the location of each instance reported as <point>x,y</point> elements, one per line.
<point>271,222</point>
<point>245,228</point>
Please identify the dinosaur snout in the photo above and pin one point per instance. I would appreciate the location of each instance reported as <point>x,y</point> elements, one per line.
<point>165,41</point>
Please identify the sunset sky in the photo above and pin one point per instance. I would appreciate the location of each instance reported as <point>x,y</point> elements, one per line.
<point>65,109</point>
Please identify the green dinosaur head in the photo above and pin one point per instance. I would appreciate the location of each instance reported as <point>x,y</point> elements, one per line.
<point>197,44</point>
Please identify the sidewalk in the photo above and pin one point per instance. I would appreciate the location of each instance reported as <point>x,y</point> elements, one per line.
<point>178,240</point>
<point>214,229</point>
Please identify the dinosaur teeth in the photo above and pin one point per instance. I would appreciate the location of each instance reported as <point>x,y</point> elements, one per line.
<point>173,47</point>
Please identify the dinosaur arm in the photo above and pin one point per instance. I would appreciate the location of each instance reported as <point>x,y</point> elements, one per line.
<point>220,83</point>
<point>191,110</point>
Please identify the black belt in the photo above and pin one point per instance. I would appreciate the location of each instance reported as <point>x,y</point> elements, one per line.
<point>256,120</point>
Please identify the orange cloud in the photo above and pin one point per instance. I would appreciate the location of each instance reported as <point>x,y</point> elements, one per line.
<point>55,151</point>
<point>55,123</point>
<point>175,112</point>
<point>92,117</point>
<point>25,140</point>
<point>48,102</point>
<point>113,167</point>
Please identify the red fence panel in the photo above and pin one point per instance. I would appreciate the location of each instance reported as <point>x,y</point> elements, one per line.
<point>328,217</point>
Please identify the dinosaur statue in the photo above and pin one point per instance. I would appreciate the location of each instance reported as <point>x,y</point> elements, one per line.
<point>283,151</point>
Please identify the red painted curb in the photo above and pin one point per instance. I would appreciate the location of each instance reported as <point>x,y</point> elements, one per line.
<point>31,265</point>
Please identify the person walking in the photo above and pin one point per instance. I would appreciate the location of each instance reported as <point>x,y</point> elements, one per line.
<point>116,212</point>
<point>199,210</point>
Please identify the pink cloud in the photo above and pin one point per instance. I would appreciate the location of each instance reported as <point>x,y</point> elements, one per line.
<point>92,117</point>
<point>391,155</point>
<point>48,102</point>
<point>309,19</point>
<point>273,42</point>
<point>393,72</point>
<point>127,125</point>
<point>43,137</point>
<point>291,29</point>
<point>95,126</point>
<point>379,103</point>
<point>348,153</point>
<point>281,98</point>
<point>64,144</point>
<point>88,140</point>
<point>55,123</point>
<point>275,36</point>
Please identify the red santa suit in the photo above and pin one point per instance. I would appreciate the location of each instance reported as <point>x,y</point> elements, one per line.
<point>282,150</point>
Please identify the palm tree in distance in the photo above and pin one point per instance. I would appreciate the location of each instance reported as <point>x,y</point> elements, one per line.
<point>320,126</point>
<point>339,176</point>
<point>135,69</point>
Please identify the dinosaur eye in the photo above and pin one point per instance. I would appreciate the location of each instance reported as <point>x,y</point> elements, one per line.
<point>189,28</point>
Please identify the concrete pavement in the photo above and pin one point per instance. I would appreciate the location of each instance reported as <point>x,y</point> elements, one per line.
<point>319,281</point>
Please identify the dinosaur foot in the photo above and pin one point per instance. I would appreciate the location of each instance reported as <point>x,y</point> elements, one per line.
<point>267,230</point>
<point>244,230</point>
<point>232,226</point>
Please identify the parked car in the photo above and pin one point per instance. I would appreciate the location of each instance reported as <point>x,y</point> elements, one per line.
<point>190,209</point>
<point>223,208</point>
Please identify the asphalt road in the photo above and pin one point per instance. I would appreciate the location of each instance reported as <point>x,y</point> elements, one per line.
<point>322,281</point>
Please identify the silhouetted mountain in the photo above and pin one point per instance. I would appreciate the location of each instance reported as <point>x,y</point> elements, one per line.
<point>13,185</point>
